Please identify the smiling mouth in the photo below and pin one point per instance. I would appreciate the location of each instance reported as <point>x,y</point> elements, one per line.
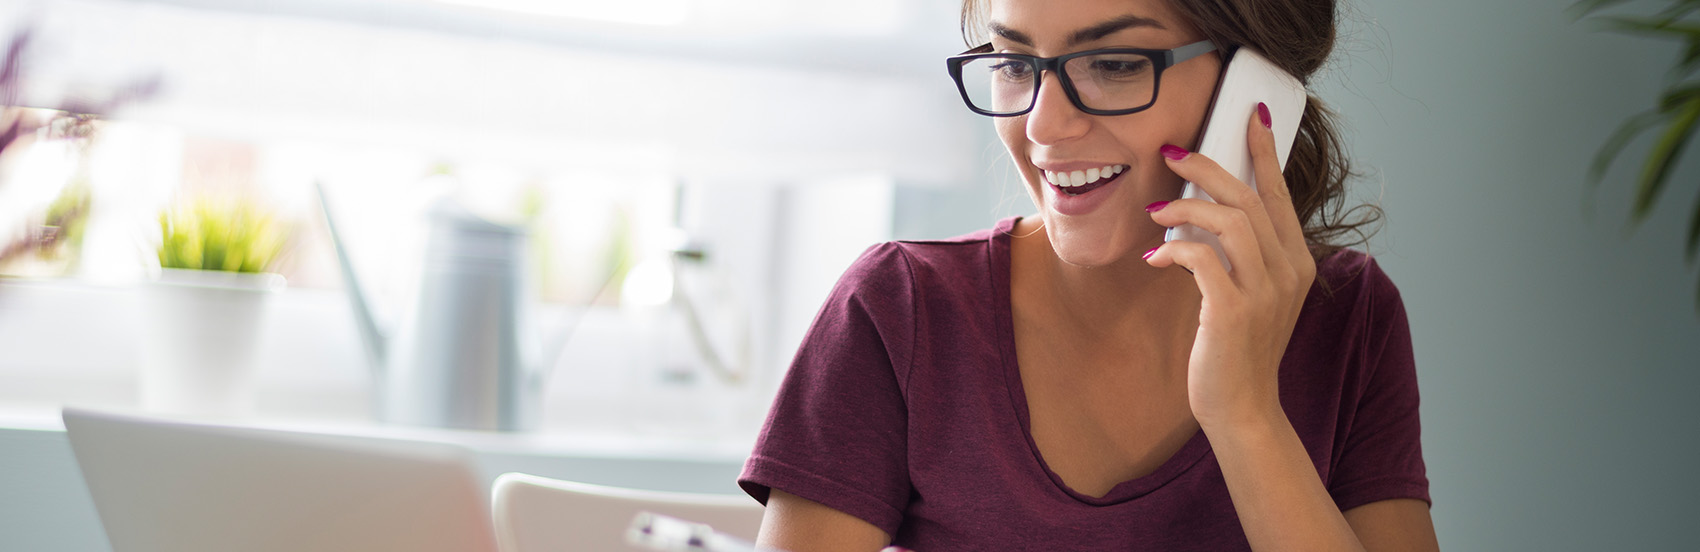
<point>1079,182</point>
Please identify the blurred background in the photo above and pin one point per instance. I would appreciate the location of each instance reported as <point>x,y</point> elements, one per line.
<point>772,141</point>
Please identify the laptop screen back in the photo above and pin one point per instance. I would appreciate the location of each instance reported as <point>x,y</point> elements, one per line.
<point>173,486</point>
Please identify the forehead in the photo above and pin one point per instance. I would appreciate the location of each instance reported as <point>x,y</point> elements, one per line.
<point>1056,22</point>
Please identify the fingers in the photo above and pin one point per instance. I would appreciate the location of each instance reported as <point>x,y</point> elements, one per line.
<point>1233,227</point>
<point>1227,190</point>
<point>1272,185</point>
<point>1200,259</point>
<point>1222,186</point>
<point>1268,208</point>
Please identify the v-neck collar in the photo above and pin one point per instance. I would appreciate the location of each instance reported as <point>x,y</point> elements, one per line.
<point>1001,265</point>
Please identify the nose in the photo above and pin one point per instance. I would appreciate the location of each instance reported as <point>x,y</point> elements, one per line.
<point>1054,119</point>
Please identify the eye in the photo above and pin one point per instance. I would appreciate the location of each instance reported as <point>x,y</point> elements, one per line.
<point>1120,67</point>
<point>1012,69</point>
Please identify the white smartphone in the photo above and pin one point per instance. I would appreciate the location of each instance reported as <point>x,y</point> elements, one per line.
<point>1248,79</point>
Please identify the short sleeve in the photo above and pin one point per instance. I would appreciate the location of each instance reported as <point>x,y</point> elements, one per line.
<point>837,431</point>
<point>1382,458</point>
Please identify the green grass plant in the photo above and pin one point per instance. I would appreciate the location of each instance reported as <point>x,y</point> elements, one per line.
<point>225,235</point>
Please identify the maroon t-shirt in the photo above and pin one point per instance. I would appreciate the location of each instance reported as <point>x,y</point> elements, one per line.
<point>904,407</point>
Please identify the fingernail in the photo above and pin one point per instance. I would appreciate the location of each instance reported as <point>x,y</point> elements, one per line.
<point>1175,153</point>
<point>1263,114</point>
<point>1148,254</point>
<point>1154,207</point>
<point>894,549</point>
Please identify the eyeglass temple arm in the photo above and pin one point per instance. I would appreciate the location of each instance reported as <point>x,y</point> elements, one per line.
<point>1193,50</point>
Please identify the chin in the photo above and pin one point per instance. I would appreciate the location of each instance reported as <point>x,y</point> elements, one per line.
<point>1088,245</point>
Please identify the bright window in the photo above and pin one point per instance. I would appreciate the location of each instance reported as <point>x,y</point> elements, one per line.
<point>779,156</point>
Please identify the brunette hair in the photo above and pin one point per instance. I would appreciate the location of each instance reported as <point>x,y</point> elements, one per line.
<point>1297,35</point>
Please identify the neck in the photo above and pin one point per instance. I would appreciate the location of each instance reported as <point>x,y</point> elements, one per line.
<point>1112,300</point>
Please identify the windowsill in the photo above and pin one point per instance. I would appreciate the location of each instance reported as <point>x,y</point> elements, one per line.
<point>573,442</point>
<point>72,343</point>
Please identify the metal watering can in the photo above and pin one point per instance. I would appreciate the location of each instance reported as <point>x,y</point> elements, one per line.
<point>466,358</point>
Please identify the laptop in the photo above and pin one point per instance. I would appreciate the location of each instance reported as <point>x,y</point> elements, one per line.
<point>165,485</point>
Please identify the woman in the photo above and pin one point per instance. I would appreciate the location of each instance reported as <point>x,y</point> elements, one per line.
<point>1058,382</point>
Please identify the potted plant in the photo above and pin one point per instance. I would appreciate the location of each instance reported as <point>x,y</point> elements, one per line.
<point>48,243</point>
<point>203,313</point>
<point>1676,116</point>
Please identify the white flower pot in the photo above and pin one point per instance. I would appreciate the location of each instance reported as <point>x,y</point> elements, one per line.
<point>200,336</point>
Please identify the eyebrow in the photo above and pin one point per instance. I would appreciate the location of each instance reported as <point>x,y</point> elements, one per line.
<point>1088,34</point>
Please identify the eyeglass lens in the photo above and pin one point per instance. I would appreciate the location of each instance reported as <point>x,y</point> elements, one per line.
<point>1110,81</point>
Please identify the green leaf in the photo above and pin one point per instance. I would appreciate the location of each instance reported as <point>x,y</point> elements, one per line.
<point>1651,26</point>
<point>1679,8</point>
<point>1666,151</point>
<point>1584,8</point>
<point>1693,248</point>
<point>1697,294</point>
<point>1677,96</point>
<point>1690,61</point>
<point>232,236</point>
<point>1618,140</point>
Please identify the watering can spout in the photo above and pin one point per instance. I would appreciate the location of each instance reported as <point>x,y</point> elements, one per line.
<point>371,335</point>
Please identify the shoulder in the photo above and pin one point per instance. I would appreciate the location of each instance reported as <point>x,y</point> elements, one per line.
<point>921,263</point>
<point>1352,277</point>
<point>1351,303</point>
<point>898,293</point>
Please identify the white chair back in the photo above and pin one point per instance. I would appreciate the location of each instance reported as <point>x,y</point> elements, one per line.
<point>539,514</point>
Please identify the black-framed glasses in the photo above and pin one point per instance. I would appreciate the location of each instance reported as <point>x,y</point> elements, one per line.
<point>1110,81</point>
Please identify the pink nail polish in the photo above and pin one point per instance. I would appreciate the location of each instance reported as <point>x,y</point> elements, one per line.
<point>1174,153</point>
<point>1154,207</point>
<point>1148,254</point>
<point>1263,114</point>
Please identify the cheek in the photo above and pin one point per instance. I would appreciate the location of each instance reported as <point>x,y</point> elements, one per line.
<point>1144,135</point>
<point>1177,124</point>
<point>1191,102</point>
<point>1012,131</point>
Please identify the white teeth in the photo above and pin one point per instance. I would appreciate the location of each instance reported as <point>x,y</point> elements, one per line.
<point>1079,178</point>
